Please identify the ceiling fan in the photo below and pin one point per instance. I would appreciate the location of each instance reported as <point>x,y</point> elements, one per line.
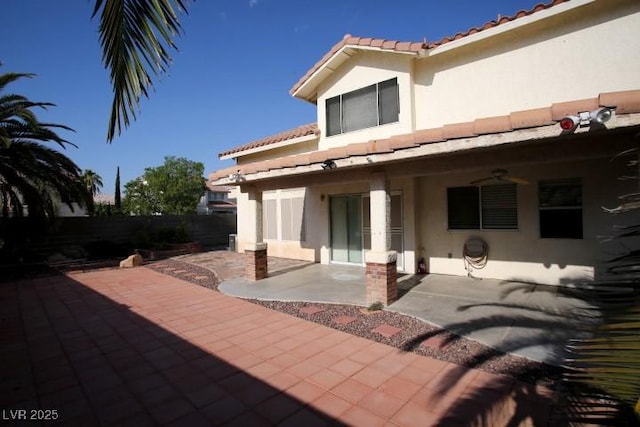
<point>500,175</point>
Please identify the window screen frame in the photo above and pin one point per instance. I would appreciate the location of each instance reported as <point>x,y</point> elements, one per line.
<point>385,114</point>
<point>481,216</point>
<point>565,217</point>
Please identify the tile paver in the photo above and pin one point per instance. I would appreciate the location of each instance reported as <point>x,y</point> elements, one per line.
<point>311,310</point>
<point>137,347</point>
<point>344,320</point>
<point>387,330</point>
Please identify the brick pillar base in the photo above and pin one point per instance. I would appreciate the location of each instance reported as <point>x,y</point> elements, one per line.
<point>382,284</point>
<point>256,268</point>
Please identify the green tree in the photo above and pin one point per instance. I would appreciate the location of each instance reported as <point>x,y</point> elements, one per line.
<point>117,198</point>
<point>92,181</point>
<point>140,199</point>
<point>174,188</point>
<point>136,37</point>
<point>32,174</point>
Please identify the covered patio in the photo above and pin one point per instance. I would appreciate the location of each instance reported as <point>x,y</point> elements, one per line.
<point>530,320</point>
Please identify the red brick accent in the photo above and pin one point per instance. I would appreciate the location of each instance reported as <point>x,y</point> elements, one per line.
<point>382,285</point>
<point>256,268</point>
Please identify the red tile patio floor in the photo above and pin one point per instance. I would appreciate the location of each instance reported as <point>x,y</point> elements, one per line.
<point>135,347</point>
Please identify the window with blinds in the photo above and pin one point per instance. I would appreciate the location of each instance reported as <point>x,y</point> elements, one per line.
<point>269,219</point>
<point>292,214</point>
<point>370,106</point>
<point>499,204</point>
<point>490,207</point>
<point>291,224</point>
<point>560,205</point>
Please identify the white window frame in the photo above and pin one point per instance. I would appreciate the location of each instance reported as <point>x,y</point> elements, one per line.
<point>340,99</point>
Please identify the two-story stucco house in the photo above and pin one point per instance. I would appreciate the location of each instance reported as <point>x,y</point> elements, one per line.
<point>487,153</point>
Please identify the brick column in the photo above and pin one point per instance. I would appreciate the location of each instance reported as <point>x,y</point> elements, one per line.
<point>381,261</point>
<point>256,268</point>
<point>381,283</point>
<point>381,277</point>
<point>255,249</point>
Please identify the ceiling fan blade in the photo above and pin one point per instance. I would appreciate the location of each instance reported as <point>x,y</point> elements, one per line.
<point>482,180</point>
<point>516,180</point>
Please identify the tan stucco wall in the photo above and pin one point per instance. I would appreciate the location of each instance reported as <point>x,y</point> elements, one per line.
<point>575,55</point>
<point>521,254</point>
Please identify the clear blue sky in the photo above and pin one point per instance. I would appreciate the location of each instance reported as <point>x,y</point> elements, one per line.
<point>229,83</point>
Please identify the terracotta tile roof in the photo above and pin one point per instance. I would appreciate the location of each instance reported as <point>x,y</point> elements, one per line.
<point>392,45</point>
<point>221,188</point>
<point>300,131</point>
<point>625,102</point>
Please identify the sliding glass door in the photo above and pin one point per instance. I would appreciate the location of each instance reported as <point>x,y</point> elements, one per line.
<point>346,228</point>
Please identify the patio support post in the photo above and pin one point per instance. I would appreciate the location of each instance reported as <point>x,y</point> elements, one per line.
<point>255,250</point>
<point>381,260</point>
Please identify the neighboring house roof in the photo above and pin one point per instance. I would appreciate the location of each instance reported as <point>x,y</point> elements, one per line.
<point>625,102</point>
<point>220,188</point>
<point>298,132</point>
<point>406,46</point>
<point>221,204</point>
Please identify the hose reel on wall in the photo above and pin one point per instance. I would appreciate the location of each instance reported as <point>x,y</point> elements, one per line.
<point>475,255</point>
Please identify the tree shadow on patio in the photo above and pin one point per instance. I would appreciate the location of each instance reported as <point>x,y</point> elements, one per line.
<point>98,360</point>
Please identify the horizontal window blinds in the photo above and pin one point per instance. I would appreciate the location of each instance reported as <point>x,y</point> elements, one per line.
<point>499,206</point>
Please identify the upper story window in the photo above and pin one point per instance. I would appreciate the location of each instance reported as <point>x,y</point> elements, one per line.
<point>370,106</point>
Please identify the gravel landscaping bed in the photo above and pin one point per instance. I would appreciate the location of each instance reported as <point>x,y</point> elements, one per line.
<point>413,332</point>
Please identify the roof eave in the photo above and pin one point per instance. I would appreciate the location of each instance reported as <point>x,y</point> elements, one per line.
<point>307,90</point>
<point>268,147</point>
<point>343,157</point>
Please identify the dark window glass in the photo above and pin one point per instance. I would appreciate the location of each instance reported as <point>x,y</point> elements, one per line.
<point>359,110</point>
<point>334,126</point>
<point>463,207</point>
<point>388,102</point>
<point>560,204</point>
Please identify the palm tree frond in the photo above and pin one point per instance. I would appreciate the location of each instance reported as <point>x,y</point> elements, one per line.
<point>135,36</point>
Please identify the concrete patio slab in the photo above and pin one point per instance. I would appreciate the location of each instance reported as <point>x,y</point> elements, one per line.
<point>533,321</point>
<point>341,284</point>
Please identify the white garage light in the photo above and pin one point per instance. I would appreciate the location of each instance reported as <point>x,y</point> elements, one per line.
<point>601,115</point>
